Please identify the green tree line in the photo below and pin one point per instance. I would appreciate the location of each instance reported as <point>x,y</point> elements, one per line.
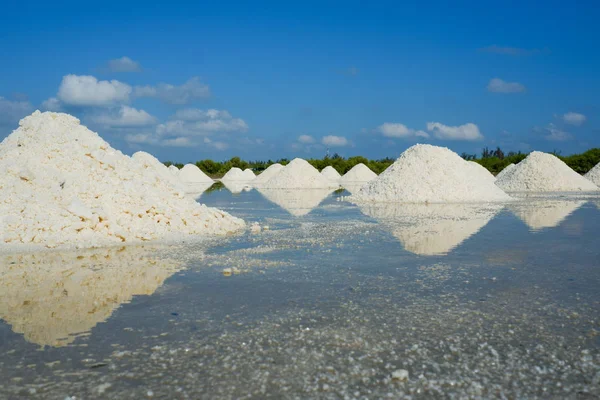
<point>495,160</point>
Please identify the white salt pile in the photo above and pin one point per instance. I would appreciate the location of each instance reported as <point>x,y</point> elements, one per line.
<point>190,173</point>
<point>505,171</point>
<point>151,163</point>
<point>235,175</point>
<point>542,214</point>
<point>542,172</point>
<point>593,175</point>
<point>249,175</point>
<point>358,173</point>
<point>299,174</point>
<point>61,185</point>
<point>331,173</point>
<point>481,171</point>
<point>431,229</point>
<point>297,202</point>
<point>267,174</point>
<point>429,174</point>
<point>173,170</point>
<point>34,288</point>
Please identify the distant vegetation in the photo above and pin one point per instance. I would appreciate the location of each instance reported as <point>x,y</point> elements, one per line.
<point>494,160</point>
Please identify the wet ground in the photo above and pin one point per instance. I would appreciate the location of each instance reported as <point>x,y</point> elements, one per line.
<point>332,301</point>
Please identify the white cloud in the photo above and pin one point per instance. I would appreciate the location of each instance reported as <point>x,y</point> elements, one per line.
<point>12,111</point>
<point>141,138</point>
<point>52,104</point>
<point>397,130</point>
<point>334,141</point>
<point>218,145</point>
<point>191,90</point>
<point>177,142</point>
<point>125,117</point>
<point>86,90</point>
<point>574,118</point>
<point>124,64</point>
<point>306,139</point>
<point>467,131</point>
<point>555,134</point>
<point>498,85</point>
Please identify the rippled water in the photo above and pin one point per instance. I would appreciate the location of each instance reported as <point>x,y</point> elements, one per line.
<point>330,302</point>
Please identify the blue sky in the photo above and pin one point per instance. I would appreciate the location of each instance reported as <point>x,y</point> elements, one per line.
<point>271,79</point>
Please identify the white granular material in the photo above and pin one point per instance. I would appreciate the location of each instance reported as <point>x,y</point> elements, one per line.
<point>235,175</point>
<point>481,171</point>
<point>358,173</point>
<point>331,173</point>
<point>190,173</point>
<point>267,174</point>
<point>429,174</point>
<point>299,174</point>
<point>542,172</point>
<point>505,171</point>
<point>148,161</point>
<point>61,185</point>
<point>173,170</point>
<point>593,175</point>
<point>249,175</point>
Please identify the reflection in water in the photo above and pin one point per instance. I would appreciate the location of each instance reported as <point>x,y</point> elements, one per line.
<point>237,187</point>
<point>543,214</point>
<point>431,229</point>
<point>52,297</point>
<point>297,202</point>
<point>354,187</point>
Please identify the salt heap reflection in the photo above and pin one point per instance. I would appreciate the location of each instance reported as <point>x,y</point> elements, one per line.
<point>542,214</point>
<point>297,202</point>
<point>53,297</point>
<point>237,187</point>
<point>197,189</point>
<point>431,229</point>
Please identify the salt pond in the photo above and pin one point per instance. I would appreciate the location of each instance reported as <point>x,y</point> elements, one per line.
<point>332,301</point>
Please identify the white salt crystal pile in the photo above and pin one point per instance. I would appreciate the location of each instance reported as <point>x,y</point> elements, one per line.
<point>61,185</point>
<point>299,174</point>
<point>505,171</point>
<point>542,172</point>
<point>593,175</point>
<point>358,173</point>
<point>148,161</point>
<point>267,174</point>
<point>481,171</point>
<point>173,170</point>
<point>426,173</point>
<point>235,175</point>
<point>249,175</point>
<point>331,173</point>
<point>191,174</point>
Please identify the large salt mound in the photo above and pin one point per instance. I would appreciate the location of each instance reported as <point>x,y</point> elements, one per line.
<point>542,172</point>
<point>481,171</point>
<point>249,175</point>
<point>431,229</point>
<point>593,175</point>
<point>505,171</point>
<point>358,173</point>
<point>426,173</point>
<point>267,174</point>
<point>190,173</point>
<point>235,174</point>
<point>299,174</point>
<point>61,185</point>
<point>331,173</point>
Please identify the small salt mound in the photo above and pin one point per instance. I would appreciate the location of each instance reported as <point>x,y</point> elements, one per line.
<point>297,202</point>
<point>235,174</point>
<point>173,170</point>
<point>505,171</point>
<point>358,173</point>
<point>299,174</point>
<point>84,193</point>
<point>481,171</point>
<point>190,173</point>
<point>542,172</point>
<point>593,175</point>
<point>539,215</point>
<point>426,173</point>
<point>151,163</point>
<point>331,173</point>
<point>249,175</point>
<point>267,174</point>
<point>431,229</point>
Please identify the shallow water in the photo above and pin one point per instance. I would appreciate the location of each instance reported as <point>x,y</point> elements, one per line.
<point>472,301</point>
